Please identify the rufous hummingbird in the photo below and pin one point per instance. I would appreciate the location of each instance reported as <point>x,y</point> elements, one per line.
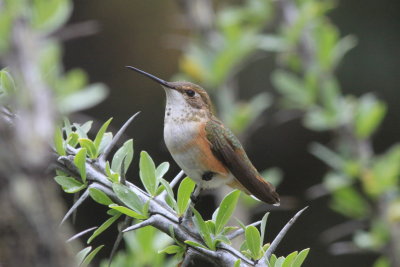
<point>206,150</point>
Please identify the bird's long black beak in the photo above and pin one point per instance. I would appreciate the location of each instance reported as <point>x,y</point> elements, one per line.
<point>154,78</point>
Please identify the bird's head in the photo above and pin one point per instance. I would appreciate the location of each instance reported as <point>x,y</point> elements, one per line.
<point>182,93</point>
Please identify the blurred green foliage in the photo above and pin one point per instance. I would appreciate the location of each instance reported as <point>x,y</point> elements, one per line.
<point>41,18</point>
<point>308,48</point>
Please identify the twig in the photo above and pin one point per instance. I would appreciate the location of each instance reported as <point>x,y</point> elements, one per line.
<point>78,30</point>
<point>114,141</point>
<point>123,176</point>
<point>145,223</point>
<point>173,183</point>
<point>76,197</point>
<point>280,236</point>
<point>125,223</point>
<point>240,231</point>
<point>177,178</point>
<point>76,205</point>
<point>82,233</point>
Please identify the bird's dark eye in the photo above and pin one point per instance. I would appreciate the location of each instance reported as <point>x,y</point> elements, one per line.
<point>190,93</point>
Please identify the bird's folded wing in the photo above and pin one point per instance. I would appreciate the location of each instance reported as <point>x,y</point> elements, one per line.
<point>227,148</point>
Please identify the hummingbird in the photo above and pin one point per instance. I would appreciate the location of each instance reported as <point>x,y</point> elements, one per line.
<point>203,147</point>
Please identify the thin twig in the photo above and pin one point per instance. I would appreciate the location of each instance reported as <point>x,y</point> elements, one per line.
<point>280,236</point>
<point>76,205</point>
<point>177,178</point>
<point>145,223</point>
<point>122,175</point>
<point>76,197</point>
<point>125,223</point>
<point>78,30</point>
<point>173,183</point>
<point>240,231</point>
<point>114,141</point>
<point>82,233</point>
<point>187,259</point>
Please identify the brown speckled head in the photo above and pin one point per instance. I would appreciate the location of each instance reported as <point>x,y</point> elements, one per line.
<point>194,95</point>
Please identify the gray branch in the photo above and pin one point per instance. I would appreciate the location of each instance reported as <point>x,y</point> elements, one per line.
<point>279,237</point>
<point>163,217</point>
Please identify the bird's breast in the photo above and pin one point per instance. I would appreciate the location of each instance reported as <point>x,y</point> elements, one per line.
<point>191,150</point>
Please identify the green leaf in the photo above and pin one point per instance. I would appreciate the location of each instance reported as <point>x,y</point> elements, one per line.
<point>148,173</point>
<point>107,138</point>
<point>90,257</point>
<point>123,153</point>
<point>90,147</point>
<point>350,202</point>
<point>173,249</point>
<point>85,127</point>
<point>162,170</point>
<point>170,194</point>
<point>7,84</point>
<point>369,115</point>
<point>127,212</point>
<point>272,260</point>
<point>228,229</point>
<point>112,176</point>
<point>48,15</point>
<point>300,258</point>
<point>83,99</point>
<point>59,142</point>
<point>290,259</point>
<point>279,262</point>
<point>128,197</point>
<point>184,191</point>
<point>222,238</point>
<point>103,227</point>
<point>145,209</point>
<point>253,241</point>
<point>237,263</point>
<point>225,211</point>
<point>385,173</point>
<point>72,139</point>
<point>291,87</point>
<point>99,196</point>
<point>69,184</point>
<point>6,19</point>
<point>80,163</point>
<point>82,255</point>
<point>82,130</point>
<point>211,226</point>
<point>203,229</point>
<point>67,126</point>
<point>100,134</point>
<point>113,212</point>
<point>195,244</point>
<point>382,262</point>
<point>263,226</point>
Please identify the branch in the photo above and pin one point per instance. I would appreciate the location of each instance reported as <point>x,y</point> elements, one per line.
<point>162,217</point>
<point>82,233</point>
<point>116,138</point>
<point>149,221</point>
<point>280,236</point>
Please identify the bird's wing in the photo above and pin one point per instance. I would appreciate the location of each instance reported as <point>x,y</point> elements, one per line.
<point>227,148</point>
